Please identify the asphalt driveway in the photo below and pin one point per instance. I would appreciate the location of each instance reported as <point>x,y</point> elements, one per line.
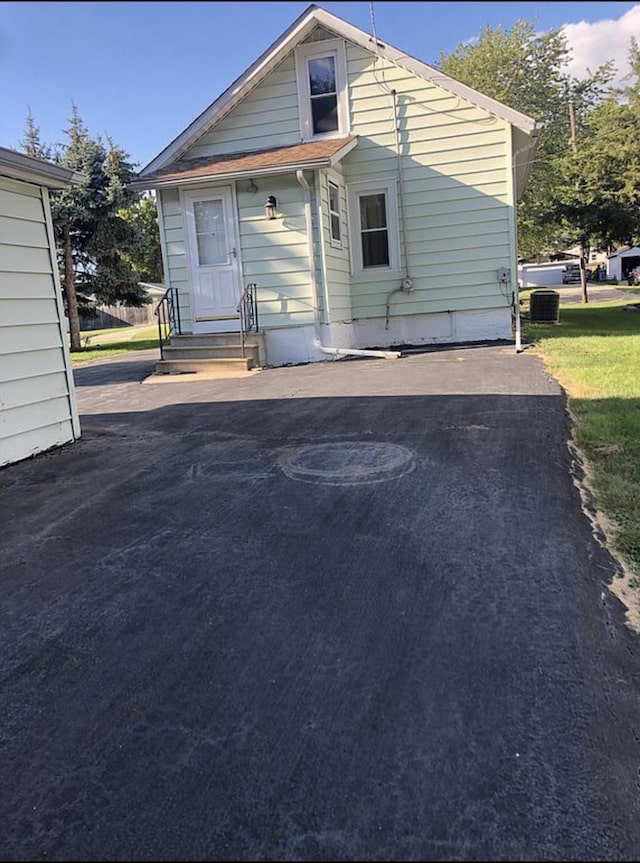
<point>349,611</point>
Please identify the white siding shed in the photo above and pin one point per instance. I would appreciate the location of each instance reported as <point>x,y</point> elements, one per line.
<point>37,399</point>
<point>621,261</point>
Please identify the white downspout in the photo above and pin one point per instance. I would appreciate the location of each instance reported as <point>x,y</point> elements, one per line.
<point>516,284</point>
<point>407,283</point>
<point>336,352</point>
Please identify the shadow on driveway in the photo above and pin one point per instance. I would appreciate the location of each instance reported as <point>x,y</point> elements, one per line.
<point>131,367</point>
<point>312,627</point>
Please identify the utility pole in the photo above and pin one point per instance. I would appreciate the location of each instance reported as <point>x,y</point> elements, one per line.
<point>574,147</point>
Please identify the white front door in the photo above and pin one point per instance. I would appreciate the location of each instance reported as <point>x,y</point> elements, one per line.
<point>214,265</point>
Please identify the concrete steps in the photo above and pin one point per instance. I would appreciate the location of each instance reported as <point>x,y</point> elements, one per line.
<point>212,339</point>
<point>189,366</point>
<point>213,352</point>
<point>210,354</point>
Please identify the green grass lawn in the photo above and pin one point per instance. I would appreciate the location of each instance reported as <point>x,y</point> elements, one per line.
<point>594,352</point>
<point>107,343</point>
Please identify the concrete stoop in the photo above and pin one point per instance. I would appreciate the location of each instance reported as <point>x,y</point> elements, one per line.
<point>210,355</point>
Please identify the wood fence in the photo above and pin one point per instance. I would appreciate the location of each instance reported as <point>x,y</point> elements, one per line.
<point>104,317</point>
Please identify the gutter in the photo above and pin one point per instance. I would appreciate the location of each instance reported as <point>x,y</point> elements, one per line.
<point>19,166</point>
<point>172,181</point>
<point>327,349</point>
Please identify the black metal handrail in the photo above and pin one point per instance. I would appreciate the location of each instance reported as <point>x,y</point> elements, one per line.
<point>247,309</point>
<point>168,314</point>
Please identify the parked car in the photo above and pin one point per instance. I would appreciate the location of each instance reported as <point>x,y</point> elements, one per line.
<point>571,274</point>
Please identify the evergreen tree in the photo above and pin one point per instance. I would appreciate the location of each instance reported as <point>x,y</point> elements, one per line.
<point>90,234</point>
<point>113,279</point>
<point>31,143</point>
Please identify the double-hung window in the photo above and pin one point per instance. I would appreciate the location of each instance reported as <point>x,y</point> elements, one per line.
<point>334,215</point>
<point>323,94</point>
<point>373,218</point>
<point>374,229</point>
<point>321,75</point>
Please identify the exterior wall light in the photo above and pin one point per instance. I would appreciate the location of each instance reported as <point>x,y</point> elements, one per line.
<point>270,207</point>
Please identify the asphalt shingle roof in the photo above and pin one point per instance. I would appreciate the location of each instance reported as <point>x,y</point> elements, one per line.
<point>255,161</point>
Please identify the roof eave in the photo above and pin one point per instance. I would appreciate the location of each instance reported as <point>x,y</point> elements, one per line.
<point>311,17</point>
<point>366,41</point>
<point>236,91</point>
<point>248,173</point>
<point>339,155</point>
<point>532,149</point>
<point>19,166</point>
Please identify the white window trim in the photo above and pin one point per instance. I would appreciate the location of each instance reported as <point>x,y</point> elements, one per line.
<point>314,50</point>
<point>337,244</point>
<point>354,191</point>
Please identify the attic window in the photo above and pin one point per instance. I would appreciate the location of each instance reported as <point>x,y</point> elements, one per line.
<point>322,94</point>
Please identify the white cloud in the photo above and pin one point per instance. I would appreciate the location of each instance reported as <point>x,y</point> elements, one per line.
<point>593,44</point>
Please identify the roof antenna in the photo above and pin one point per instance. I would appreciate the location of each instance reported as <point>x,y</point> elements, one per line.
<point>373,23</point>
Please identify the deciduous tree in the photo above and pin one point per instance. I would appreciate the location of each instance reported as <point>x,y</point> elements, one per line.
<point>144,253</point>
<point>526,70</point>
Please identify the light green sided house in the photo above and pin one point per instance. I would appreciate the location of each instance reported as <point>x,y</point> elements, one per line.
<point>37,399</point>
<point>369,198</point>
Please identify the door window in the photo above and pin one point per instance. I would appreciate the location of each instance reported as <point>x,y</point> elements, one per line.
<point>210,232</point>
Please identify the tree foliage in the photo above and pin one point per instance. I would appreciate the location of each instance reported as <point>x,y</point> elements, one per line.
<point>596,200</point>
<point>92,236</point>
<point>526,70</point>
<point>517,67</point>
<point>90,209</point>
<point>32,143</point>
<point>144,252</point>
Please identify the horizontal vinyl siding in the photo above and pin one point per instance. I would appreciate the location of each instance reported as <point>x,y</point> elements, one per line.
<point>455,161</point>
<point>28,338</point>
<point>173,241</point>
<point>275,252</point>
<point>267,117</point>
<point>35,404</point>
<point>337,275</point>
<point>24,259</point>
<point>20,201</point>
<point>23,286</point>
<point>29,390</point>
<point>27,364</point>
<point>23,233</point>
<point>28,312</point>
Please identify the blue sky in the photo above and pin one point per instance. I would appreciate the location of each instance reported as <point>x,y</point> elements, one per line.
<point>142,71</point>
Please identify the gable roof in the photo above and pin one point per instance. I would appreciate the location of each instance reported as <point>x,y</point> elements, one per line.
<point>276,160</point>
<point>623,251</point>
<point>315,16</point>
